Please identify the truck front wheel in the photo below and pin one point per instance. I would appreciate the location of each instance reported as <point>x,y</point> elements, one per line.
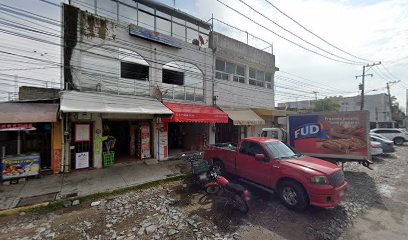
<point>293,195</point>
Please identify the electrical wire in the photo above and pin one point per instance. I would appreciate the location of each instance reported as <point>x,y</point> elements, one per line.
<point>309,31</point>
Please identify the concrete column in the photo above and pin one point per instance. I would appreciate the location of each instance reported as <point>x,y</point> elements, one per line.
<point>155,139</point>
<point>97,133</point>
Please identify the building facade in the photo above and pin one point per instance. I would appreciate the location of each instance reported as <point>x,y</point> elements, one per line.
<point>127,63</point>
<point>243,87</point>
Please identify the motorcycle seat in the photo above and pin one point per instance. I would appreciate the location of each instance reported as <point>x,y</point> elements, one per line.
<point>235,188</point>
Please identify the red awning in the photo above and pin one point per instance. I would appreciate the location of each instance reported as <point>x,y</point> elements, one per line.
<point>195,113</point>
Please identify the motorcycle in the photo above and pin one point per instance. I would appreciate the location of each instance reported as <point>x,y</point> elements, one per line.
<point>237,194</point>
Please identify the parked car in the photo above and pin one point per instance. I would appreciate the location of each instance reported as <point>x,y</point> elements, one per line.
<point>271,165</point>
<point>375,148</point>
<point>386,145</point>
<point>397,135</point>
<point>378,135</point>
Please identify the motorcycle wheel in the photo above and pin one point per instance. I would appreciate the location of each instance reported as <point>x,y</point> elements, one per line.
<point>212,189</point>
<point>240,204</point>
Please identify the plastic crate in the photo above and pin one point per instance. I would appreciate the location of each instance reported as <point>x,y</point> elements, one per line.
<point>199,167</point>
<point>108,158</point>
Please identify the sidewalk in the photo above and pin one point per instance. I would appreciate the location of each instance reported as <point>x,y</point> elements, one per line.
<point>85,182</point>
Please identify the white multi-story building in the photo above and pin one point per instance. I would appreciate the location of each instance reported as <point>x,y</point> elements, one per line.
<point>145,80</point>
<point>244,87</point>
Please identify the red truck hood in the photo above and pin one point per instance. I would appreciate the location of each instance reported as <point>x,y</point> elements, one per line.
<point>314,164</point>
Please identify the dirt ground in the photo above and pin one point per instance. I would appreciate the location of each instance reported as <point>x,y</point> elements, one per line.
<point>376,208</point>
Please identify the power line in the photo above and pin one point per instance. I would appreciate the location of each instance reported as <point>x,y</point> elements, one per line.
<point>298,37</point>
<point>284,38</point>
<point>309,31</point>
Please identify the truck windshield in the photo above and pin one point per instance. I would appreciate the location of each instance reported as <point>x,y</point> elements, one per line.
<point>279,150</point>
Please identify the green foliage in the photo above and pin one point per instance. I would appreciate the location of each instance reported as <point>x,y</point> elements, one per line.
<point>326,105</point>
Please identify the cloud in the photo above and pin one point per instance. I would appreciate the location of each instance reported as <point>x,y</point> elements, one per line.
<point>376,30</point>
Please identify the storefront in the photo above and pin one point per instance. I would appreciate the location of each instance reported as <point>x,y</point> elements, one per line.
<point>30,138</point>
<point>191,126</point>
<point>242,123</point>
<point>105,129</point>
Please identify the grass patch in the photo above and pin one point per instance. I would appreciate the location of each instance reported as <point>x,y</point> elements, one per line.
<point>59,204</point>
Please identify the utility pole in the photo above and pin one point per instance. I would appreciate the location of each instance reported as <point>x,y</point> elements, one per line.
<point>315,93</point>
<point>363,82</point>
<point>389,97</point>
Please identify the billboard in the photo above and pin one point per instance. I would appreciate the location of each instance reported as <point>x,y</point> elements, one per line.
<point>340,135</point>
<point>20,166</point>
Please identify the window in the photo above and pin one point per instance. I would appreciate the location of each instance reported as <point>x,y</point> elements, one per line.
<point>260,78</point>
<point>224,68</point>
<point>173,77</point>
<point>268,80</point>
<point>134,71</point>
<point>163,26</point>
<point>278,150</point>
<point>146,20</point>
<point>179,31</point>
<point>244,147</point>
<point>255,148</point>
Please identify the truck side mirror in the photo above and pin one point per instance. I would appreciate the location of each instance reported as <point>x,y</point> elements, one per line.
<point>260,157</point>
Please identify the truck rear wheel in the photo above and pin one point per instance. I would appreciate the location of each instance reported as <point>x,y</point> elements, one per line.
<point>219,167</point>
<point>293,195</point>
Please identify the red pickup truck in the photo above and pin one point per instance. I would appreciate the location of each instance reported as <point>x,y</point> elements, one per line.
<point>299,180</point>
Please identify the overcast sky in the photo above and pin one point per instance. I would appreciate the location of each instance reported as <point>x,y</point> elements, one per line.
<point>370,29</point>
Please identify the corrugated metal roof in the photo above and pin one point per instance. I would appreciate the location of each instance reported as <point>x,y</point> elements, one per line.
<point>74,101</point>
<point>243,116</point>
<point>28,112</point>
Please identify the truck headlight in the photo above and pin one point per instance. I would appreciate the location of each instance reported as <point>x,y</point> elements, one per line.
<point>320,180</point>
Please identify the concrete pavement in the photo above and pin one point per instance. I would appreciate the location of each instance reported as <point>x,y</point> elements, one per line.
<point>85,182</point>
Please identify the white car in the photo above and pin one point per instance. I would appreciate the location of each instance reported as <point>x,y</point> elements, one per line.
<point>399,136</point>
<point>376,149</point>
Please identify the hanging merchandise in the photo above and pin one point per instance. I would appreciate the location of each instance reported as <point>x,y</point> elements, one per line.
<point>109,155</point>
<point>145,132</point>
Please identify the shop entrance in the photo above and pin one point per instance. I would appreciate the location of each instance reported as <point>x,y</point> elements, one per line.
<point>132,139</point>
<point>35,140</point>
<point>117,131</point>
<point>187,137</point>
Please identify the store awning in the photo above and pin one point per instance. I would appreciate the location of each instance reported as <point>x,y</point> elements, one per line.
<point>74,101</point>
<point>273,112</point>
<point>195,113</point>
<point>28,112</point>
<point>243,116</point>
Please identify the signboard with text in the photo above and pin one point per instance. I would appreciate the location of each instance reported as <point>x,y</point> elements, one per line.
<point>340,135</point>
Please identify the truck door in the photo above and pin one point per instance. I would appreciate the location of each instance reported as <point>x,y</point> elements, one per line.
<point>252,169</point>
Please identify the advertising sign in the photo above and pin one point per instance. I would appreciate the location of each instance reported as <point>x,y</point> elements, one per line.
<point>145,33</point>
<point>145,130</point>
<point>81,160</point>
<point>20,166</point>
<point>82,132</point>
<point>342,134</point>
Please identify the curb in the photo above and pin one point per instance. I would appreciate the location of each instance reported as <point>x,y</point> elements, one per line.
<point>58,204</point>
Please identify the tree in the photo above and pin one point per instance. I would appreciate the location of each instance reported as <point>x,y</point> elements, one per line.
<point>326,105</point>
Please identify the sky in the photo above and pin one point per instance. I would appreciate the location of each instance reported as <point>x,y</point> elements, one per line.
<point>372,30</point>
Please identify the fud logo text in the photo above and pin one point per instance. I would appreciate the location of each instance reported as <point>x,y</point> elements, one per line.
<point>307,131</point>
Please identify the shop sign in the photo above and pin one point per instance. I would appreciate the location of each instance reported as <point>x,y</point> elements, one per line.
<point>145,129</point>
<point>84,116</point>
<point>20,166</point>
<point>15,126</point>
<point>145,33</point>
<point>82,132</point>
<point>81,160</point>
